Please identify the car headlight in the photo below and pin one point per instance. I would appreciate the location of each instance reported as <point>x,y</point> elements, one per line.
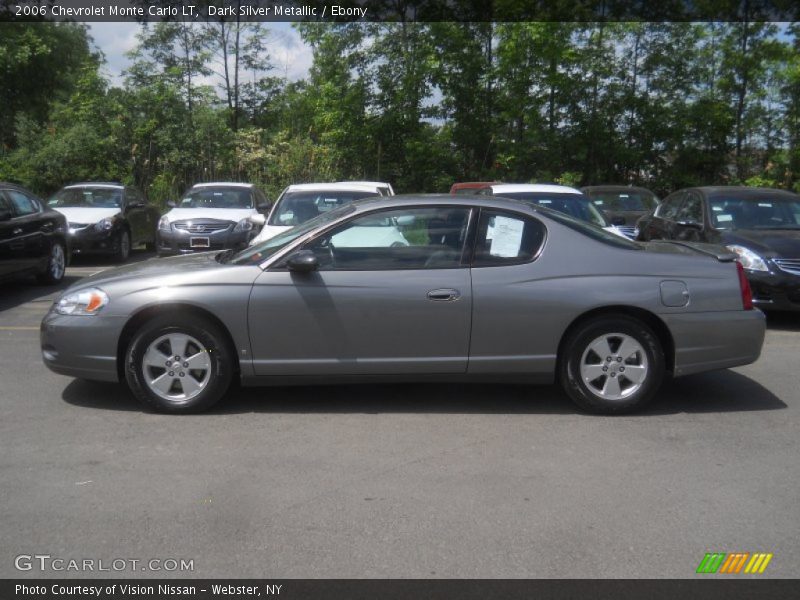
<point>85,302</point>
<point>749,259</point>
<point>244,225</point>
<point>105,224</point>
<point>163,223</point>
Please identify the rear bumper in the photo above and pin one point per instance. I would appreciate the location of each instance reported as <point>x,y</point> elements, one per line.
<point>715,340</point>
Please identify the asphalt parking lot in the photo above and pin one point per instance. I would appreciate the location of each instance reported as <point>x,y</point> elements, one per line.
<point>397,481</point>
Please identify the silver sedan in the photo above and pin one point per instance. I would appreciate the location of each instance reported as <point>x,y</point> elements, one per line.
<point>414,288</point>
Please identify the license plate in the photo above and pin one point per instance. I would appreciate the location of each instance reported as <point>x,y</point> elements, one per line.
<point>198,242</point>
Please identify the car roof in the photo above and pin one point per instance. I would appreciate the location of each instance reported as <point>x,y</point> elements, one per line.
<point>550,188</point>
<point>97,184</point>
<point>223,184</point>
<point>370,183</point>
<point>403,201</point>
<point>615,188</point>
<point>715,190</point>
<point>334,185</point>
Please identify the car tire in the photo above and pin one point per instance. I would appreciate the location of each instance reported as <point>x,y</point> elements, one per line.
<point>123,246</point>
<point>56,265</point>
<point>611,365</point>
<point>180,342</point>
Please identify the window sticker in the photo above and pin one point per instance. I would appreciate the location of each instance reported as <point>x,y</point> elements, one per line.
<point>765,204</point>
<point>724,218</point>
<point>506,237</point>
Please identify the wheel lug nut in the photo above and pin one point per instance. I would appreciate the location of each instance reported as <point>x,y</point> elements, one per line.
<point>177,358</point>
<point>621,369</point>
<point>186,365</point>
<point>181,373</point>
<point>167,363</point>
<point>613,374</point>
<point>608,359</point>
<point>172,373</point>
<point>619,359</point>
<point>605,369</point>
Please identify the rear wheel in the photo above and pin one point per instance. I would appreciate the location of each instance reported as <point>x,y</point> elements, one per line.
<point>56,265</point>
<point>612,365</point>
<point>179,365</point>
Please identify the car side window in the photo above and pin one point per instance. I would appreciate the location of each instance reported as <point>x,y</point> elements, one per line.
<point>396,239</point>
<point>22,203</point>
<point>507,239</point>
<point>5,205</point>
<point>670,207</point>
<point>692,210</point>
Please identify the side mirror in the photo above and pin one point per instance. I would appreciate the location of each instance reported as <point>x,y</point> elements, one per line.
<point>258,220</point>
<point>172,204</point>
<point>5,215</point>
<point>618,221</point>
<point>302,261</point>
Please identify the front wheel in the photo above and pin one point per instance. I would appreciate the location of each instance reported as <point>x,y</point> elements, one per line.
<point>123,246</point>
<point>179,365</point>
<point>612,365</point>
<point>56,265</point>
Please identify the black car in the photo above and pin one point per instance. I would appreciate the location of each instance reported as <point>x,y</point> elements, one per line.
<point>623,205</point>
<point>107,218</point>
<point>761,225</point>
<point>33,238</point>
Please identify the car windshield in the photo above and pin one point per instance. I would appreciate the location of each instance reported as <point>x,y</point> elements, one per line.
<point>623,201</point>
<point>217,197</point>
<point>755,211</point>
<point>295,208</point>
<point>87,197</point>
<point>575,205</point>
<point>593,231</point>
<point>262,251</point>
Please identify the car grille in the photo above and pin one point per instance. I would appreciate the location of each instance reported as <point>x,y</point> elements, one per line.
<point>628,231</point>
<point>201,227</point>
<point>790,265</point>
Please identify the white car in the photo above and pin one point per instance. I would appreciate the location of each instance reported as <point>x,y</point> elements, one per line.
<point>301,202</point>
<point>211,216</point>
<point>384,188</point>
<point>562,198</point>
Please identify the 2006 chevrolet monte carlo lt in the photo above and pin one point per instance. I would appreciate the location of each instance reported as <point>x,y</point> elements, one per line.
<point>413,288</point>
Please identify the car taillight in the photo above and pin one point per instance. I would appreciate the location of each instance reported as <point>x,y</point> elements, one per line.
<point>744,286</point>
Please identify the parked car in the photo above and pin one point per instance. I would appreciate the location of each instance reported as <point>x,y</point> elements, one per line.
<point>33,238</point>
<point>486,289</point>
<point>211,216</point>
<point>761,225</point>
<point>106,218</point>
<point>623,205</point>
<point>301,202</point>
<point>556,197</point>
<point>469,187</point>
<point>384,188</point>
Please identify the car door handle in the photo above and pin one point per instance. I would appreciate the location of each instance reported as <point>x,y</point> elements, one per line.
<point>16,231</point>
<point>444,295</point>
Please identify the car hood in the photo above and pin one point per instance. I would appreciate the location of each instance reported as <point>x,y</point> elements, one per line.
<point>222,214</point>
<point>267,232</point>
<point>784,243</point>
<point>87,214</point>
<point>175,265</point>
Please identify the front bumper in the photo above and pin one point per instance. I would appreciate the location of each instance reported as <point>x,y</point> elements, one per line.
<point>775,290</point>
<point>90,241</point>
<point>705,341</point>
<point>82,347</point>
<point>177,241</point>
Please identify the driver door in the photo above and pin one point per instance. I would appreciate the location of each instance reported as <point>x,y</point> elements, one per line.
<point>392,295</point>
